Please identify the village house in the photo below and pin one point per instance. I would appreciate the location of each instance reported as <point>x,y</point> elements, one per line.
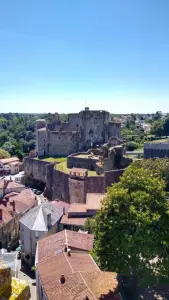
<point>8,186</point>
<point>12,207</point>
<point>10,165</point>
<point>65,269</point>
<point>37,223</point>
<point>76,215</point>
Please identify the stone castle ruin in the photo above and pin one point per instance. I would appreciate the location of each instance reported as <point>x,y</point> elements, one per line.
<point>84,130</point>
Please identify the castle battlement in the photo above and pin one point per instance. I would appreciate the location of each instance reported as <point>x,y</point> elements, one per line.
<point>83,130</point>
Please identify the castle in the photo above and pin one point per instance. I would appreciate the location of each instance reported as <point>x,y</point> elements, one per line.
<point>83,130</point>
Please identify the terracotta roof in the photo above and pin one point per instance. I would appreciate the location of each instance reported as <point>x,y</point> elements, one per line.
<point>61,204</point>
<point>9,160</point>
<point>10,195</point>
<point>94,201</point>
<point>24,200</point>
<point>51,269</point>
<point>82,278</point>
<point>47,246</point>
<point>77,207</point>
<point>6,216</point>
<point>73,221</point>
<point>13,184</point>
<point>15,163</point>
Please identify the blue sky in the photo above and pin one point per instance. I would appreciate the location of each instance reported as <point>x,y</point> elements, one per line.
<point>56,55</point>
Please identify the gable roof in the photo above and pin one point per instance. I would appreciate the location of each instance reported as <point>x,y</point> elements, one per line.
<point>82,278</point>
<point>6,216</point>
<point>9,160</point>
<point>36,218</point>
<point>23,200</point>
<point>48,246</point>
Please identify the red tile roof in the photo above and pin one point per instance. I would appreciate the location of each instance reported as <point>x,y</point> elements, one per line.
<point>12,184</point>
<point>9,160</point>
<point>10,195</point>
<point>82,278</point>
<point>77,208</point>
<point>73,221</point>
<point>94,201</point>
<point>47,246</point>
<point>24,200</point>
<point>6,216</point>
<point>61,204</point>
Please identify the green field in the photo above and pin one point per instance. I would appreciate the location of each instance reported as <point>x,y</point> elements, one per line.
<point>54,159</point>
<point>62,166</point>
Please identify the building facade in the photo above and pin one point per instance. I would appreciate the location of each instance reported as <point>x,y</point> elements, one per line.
<point>82,131</point>
<point>36,224</point>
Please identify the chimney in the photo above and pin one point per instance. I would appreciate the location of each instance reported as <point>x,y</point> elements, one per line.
<point>13,205</point>
<point>63,210</point>
<point>62,279</point>
<point>68,252</point>
<point>0,214</point>
<point>49,221</point>
<point>65,249</point>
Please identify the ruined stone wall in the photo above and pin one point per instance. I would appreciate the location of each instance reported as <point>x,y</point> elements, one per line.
<point>60,189</point>
<point>95,184</point>
<point>41,143</point>
<point>35,168</point>
<point>73,161</point>
<point>112,177</point>
<point>114,129</point>
<point>94,129</point>
<point>62,143</point>
<point>75,122</point>
<point>77,191</point>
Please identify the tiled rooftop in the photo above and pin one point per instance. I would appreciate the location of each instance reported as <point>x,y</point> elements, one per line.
<point>48,246</point>
<point>6,216</point>
<point>61,204</point>
<point>73,221</point>
<point>82,278</point>
<point>9,160</point>
<point>94,201</point>
<point>77,207</point>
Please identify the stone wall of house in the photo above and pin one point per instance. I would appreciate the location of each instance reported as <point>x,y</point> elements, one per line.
<point>112,177</point>
<point>73,161</point>
<point>60,188</point>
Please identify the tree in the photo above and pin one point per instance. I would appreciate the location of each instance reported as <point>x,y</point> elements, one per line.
<point>4,154</point>
<point>90,225</point>
<point>132,227</point>
<point>9,147</point>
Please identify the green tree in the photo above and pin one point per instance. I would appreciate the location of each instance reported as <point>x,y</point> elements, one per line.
<point>4,154</point>
<point>9,147</point>
<point>90,225</point>
<point>132,227</point>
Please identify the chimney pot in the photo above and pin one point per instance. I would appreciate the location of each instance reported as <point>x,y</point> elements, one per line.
<point>62,279</point>
<point>13,205</point>
<point>68,252</point>
<point>65,247</point>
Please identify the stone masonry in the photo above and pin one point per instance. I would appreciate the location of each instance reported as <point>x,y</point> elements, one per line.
<point>83,130</point>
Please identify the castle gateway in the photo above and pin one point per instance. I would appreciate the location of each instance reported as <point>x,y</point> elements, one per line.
<point>89,128</point>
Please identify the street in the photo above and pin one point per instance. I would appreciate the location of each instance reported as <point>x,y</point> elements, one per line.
<point>26,274</point>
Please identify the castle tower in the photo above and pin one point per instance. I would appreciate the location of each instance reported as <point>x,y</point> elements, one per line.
<point>41,137</point>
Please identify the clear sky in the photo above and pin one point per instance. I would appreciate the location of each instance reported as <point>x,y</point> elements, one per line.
<point>56,55</point>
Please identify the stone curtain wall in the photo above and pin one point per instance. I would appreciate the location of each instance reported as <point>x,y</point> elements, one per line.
<point>35,168</point>
<point>95,184</point>
<point>77,191</point>
<point>73,161</point>
<point>112,177</point>
<point>60,187</point>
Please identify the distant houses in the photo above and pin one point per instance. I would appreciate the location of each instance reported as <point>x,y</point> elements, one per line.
<point>10,166</point>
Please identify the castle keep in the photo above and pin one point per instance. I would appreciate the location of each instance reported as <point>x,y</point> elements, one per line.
<point>82,131</point>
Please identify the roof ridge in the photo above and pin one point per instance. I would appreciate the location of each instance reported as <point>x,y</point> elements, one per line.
<point>95,263</point>
<point>36,215</point>
<point>69,263</point>
<point>86,285</point>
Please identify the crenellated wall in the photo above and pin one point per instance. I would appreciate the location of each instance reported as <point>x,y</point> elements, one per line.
<point>60,186</point>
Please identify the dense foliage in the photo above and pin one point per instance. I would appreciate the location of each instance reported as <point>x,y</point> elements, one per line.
<point>132,227</point>
<point>161,127</point>
<point>4,154</point>
<point>158,166</point>
<point>17,132</point>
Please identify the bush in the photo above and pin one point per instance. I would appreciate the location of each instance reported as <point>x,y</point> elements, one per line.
<point>131,146</point>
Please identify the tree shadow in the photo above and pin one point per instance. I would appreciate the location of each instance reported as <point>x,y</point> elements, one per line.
<point>28,272</point>
<point>157,292</point>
